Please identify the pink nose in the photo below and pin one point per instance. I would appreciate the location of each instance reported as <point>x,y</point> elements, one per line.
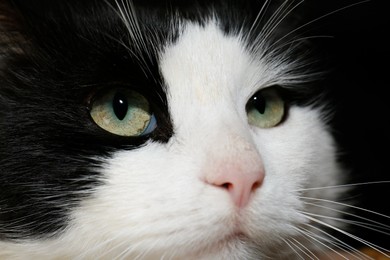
<point>239,183</point>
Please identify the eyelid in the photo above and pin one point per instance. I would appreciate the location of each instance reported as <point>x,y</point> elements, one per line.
<point>101,89</point>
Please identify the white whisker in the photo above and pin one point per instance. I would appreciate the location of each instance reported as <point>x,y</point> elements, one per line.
<point>365,242</point>
<point>345,185</point>
<point>259,17</point>
<point>317,19</point>
<point>276,19</point>
<point>305,250</point>
<point>292,248</point>
<point>371,223</point>
<point>320,242</point>
<point>297,40</point>
<point>335,241</point>
<point>125,11</point>
<point>347,205</point>
<point>310,239</point>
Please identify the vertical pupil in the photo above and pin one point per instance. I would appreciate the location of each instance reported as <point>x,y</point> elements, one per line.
<point>259,103</point>
<point>120,105</point>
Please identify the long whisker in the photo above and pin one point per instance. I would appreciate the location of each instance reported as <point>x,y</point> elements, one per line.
<point>332,218</point>
<point>274,17</point>
<point>297,40</point>
<point>259,17</point>
<point>288,242</point>
<point>317,19</point>
<point>334,241</point>
<point>305,250</point>
<point>125,11</point>
<point>345,185</point>
<point>277,17</point>
<point>371,245</point>
<point>129,18</point>
<point>310,239</point>
<point>313,237</point>
<point>347,205</point>
<point>372,224</point>
<point>338,242</point>
<point>271,25</point>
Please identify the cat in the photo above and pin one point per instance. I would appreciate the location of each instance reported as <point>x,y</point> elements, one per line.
<point>167,130</point>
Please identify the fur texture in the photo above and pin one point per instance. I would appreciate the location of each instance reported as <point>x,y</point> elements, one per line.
<point>71,190</point>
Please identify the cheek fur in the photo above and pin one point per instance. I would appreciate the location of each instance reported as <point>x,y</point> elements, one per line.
<point>128,209</point>
<point>176,195</point>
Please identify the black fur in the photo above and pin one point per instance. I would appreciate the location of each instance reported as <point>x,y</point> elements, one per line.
<point>55,54</point>
<point>48,140</point>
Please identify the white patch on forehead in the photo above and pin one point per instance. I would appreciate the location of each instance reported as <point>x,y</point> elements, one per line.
<point>204,64</point>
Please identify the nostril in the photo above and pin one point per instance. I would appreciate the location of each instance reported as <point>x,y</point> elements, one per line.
<point>230,186</point>
<point>240,186</point>
<point>227,186</point>
<point>256,185</point>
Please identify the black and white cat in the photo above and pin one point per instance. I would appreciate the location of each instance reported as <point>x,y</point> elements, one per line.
<point>166,130</point>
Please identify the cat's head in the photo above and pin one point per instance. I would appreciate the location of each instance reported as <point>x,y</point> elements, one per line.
<point>159,130</point>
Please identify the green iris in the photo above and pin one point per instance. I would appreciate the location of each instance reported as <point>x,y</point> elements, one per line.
<point>265,109</point>
<point>123,112</point>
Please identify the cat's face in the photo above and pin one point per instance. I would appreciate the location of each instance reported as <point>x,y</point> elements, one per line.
<point>129,135</point>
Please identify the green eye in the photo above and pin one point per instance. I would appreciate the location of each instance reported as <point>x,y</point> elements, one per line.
<point>265,109</point>
<point>123,112</point>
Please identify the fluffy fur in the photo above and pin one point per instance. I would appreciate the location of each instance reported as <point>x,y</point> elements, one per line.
<point>70,190</point>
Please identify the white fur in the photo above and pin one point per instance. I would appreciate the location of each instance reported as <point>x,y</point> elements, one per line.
<point>156,204</point>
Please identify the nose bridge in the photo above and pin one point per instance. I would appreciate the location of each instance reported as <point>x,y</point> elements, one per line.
<point>240,142</point>
<point>233,138</point>
<point>237,150</point>
<point>225,138</point>
<point>229,140</point>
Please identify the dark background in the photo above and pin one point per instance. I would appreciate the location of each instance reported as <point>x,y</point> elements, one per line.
<point>359,54</point>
